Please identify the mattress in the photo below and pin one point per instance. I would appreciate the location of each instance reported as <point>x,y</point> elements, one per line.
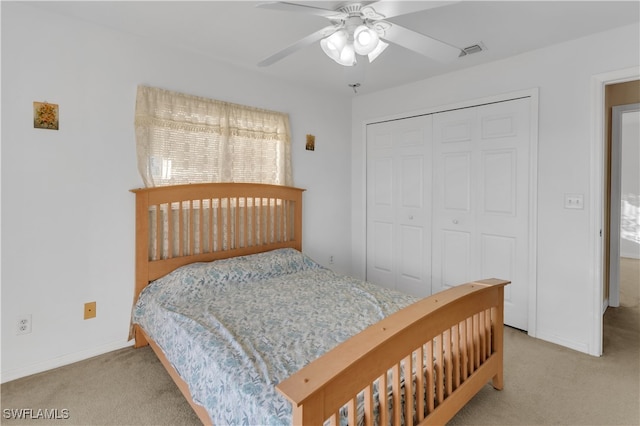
<point>235,328</point>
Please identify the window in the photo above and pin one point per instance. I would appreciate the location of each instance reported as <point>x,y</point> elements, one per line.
<point>188,139</point>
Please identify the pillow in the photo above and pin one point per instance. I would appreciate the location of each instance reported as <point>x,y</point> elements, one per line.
<point>204,279</point>
<point>265,265</point>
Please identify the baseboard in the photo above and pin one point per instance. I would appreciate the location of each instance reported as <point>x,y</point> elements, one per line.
<point>7,376</point>
<point>605,305</point>
<point>577,346</point>
<point>630,255</point>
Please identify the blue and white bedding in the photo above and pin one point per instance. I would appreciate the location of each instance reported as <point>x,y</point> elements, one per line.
<point>235,328</point>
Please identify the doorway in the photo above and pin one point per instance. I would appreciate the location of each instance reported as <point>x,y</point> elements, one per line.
<point>619,100</point>
<point>617,89</point>
<point>624,231</point>
<point>621,325</point>
<point>602,102</point>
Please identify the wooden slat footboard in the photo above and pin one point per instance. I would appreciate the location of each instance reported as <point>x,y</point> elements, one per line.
<point>454,338</point>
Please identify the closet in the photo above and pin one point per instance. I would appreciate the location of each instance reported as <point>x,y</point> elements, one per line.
<point>448,201</point>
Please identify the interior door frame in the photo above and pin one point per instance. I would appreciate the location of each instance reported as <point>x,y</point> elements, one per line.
<point>597,197</point>
<point>533,94</point>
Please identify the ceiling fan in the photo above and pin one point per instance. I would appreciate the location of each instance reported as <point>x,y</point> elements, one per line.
<point>361,29</point>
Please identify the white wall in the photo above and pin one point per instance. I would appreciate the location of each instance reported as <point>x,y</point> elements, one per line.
<point>68,215</point>
<point>562,73</point>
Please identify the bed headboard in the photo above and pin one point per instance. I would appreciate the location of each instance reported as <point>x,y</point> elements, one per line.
<point>182,224</point>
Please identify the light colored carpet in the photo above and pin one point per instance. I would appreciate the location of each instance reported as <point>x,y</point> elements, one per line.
<point>544,383</point>
<point>125,387</point>
<point>547,384</point>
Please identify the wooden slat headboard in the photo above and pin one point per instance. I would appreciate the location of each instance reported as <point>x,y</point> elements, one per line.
<point>182,224</point>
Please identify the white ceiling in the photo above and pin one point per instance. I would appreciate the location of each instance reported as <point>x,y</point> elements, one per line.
<point>240,33</point>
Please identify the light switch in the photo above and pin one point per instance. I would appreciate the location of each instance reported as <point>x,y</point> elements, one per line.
<point>573,201</point>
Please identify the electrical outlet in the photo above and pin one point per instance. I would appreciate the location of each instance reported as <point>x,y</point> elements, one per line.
<point>89,310</point>
<point>24,325</point>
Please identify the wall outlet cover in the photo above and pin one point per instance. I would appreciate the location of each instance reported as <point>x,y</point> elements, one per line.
<point>89,310</point>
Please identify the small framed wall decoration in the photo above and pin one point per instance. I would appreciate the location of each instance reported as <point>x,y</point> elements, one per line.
<point>45,115</point>
<point>311,143</point>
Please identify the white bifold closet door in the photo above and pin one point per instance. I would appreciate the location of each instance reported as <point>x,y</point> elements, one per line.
<point>399,204</point>
<point>448,201</point>
<point>481,200</point>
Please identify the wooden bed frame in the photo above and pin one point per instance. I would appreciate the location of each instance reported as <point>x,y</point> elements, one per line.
<point>454,337</point>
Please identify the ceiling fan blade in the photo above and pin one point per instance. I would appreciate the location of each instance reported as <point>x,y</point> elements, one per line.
<point>304,42</point>
<point>389,9</point>
<point>419,43</point>
<point>299,8</point>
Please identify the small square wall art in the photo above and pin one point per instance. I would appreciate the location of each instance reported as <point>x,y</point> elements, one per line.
<point>311,143</point>
<point>45,115</point>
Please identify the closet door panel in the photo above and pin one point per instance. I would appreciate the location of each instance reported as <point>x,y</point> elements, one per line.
<point>481,190</point>
<point>380,232</point>
<point>398,185</point>
<point>455,255</point>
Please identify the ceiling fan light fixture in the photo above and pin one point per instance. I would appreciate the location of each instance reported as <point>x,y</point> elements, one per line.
<point>347,56</point>
<point>337,40</point>
<point>334,44</point>
<point>329,49</point>
<point>378,50</point>
<point>338,48</point>
<point>361,26</point>
<point>365,40</point>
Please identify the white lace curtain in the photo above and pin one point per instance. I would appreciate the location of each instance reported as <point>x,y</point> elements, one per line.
<point>188,139</point>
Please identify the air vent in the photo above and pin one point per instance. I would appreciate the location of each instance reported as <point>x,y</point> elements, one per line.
<point>474,48</point>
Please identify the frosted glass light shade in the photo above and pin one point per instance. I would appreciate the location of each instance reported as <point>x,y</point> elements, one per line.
<point>338,48</point>
<point>347,56</point>
<point>365,40</point>
<point>334,44</point>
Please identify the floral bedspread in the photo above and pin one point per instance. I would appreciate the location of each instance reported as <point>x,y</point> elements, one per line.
<point>235,328</point>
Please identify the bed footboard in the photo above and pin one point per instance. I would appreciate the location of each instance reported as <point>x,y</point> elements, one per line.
<point>439,352</point>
